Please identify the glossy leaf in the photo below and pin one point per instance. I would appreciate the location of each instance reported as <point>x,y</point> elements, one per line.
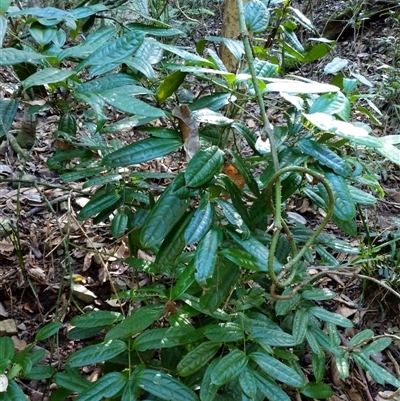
<point>119,224</point>
<point>197,358</point>
<point>48,75</point>
<point>240,258</point>
<point>14,392</point>
<point>203,166</point>
<point>114,51</point>
<point>376,346</point>
<point>331,317</point>
<point>96,353</point>
<point>343,365</point>
<point>324,341</point>
<point>10,56</point>
<point>361,197</point>
<point>169,85</point>
<point>361,337</point>
<point>98,204</point>
<point>3,28</point>
<point>318,294</point>
<point>105,387</point>
<point>224,332</point>
<point>200,223</point>
<point>206,256</point>
<point>164,386</point>
<point>81,173</point>
<point>332,103</point>
<point>232,215</point>
<point>276,369</point>
<point>318,361</point>
<point>300,323</point>
<point>325,156</point>
<point>140,320</point>
<point>248,382</point>
<point>140,152</point>
<point>228,367</point>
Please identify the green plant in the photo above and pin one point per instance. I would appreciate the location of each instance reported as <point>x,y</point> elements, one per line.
<point>24,365</point>
<point>232,317</point>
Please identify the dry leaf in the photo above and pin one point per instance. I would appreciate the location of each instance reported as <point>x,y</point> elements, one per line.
<point>233,173</point>
<point>189,130</point>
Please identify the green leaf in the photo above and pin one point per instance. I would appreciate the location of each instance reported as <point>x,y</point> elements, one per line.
<point>8,111</point>
<point>330,317</point>
<point>140,152</point>
<point>325,156</point>
<point>200,223</point>
<point>105,83</point>
<point>324,341</point>
<point>81,173</point>
<point>98,204</point>
<point>213,102</point>
<point>318,361</point>
<point>197,358</point>
<point>343,366</point>
<point>317,390</point>
<point>203,166</point>
<point>240,258</point>
<point>11,56</point>
<point>169,85</point>
<point>344,207</point>
<point>14,392</point>
<point>45,12</point>
<point>4,4</point>
<point>163,216</point>
<point>132,105</point>
<point>247,134</point>
<point>3,28</point>
<point>270,389</point>
<point>96,353</point>
<point>43,35</point>
<point>48,75</point>
<point>378,374</point>
<point>361,337</point>
<point>317,52</point>
<point>96,318</point>
<point>318,294</point>
<point>119,224</point>
<point>140,320</point>
<point>208,390</point>
<point>361,197</point>
<point>248,382</point>
<point>106,387</point>
<point>40,373</point>
<point>277,370</point>
<point>391,152</point>
<point>114,51</point>
<point>299,328</point>
<point>228,367</point>
<point>166,337</point>
<point>6,348</point>
<point>71,379</point>
<point>164,386</point>
<point>224,332</point>
<point>376,346</point>
<point>206,256</point>
<point>232,215</point>
<point>332,103</point>
<point>47,331</point>
<point>256,15</point>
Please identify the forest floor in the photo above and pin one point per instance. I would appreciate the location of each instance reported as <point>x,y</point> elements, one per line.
<point>48,248</point>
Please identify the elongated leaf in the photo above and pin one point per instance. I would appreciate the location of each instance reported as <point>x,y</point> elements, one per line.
<point>163,216</point>
<point>10,56</point>
<point>361,337</point>
<point>332,103</point>
<point>166,337</point>
<point>114,51</point>
<point>197,358</point>
<point>361,197</point>
<point>318,294</point>
<point>45,12</point>
<point>164,386</point>
<point>96,353</point>
<point>141,152</point>
<point>81,173</point>
<point>335,65</point>
<point>8,111</point>
<point>228,367</point>
<point>132,105</point>
<point>206,255</point>
<point>96,319</point>
<point>324,341</point>
<point>208,390</point>
<point>325,156</point>
<point>317,390</point>
<point>4,4</point>
<point>240,258</point>
<point>343,365</point>
<point>105,83</point>
<point>376,346</point>
<point>47,331</point>
<point>318,364</point>
<point>300,323</point>
<point>135,323</point>
<point>200,223</point>
<point>14,392</point>
<point>106,387</point>
<point>48,75</point>
<point>119,224</point>
<point>169,85</point>
<point>6,348</point>
<point>203,166</point>
<point>344,207</point>
<point>248,382</point>
<point>97,205</point>
<point>391,152</point>
<point>71,379</point>
<point>331,317</point>
<point>232,215</point>
<point>270,389</point>
<point>3,29</point>
<point>277,370</point>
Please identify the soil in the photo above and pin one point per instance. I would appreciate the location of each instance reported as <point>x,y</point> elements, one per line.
<point>46,248</point>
